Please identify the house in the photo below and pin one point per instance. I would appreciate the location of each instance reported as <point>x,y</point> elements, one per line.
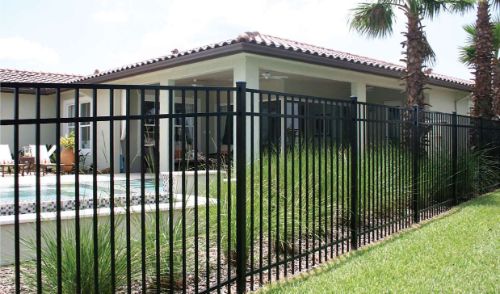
<point>264,62</point>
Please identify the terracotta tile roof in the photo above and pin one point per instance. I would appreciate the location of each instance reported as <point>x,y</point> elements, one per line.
<point>288,45</point>
<point>23,76</point>
<point>255,38</point>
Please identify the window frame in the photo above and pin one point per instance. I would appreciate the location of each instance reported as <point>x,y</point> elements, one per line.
<point>69,127</point>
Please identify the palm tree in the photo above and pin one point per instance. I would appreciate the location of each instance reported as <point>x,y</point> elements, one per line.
<point>376,20</point>
<point>482,62</point>
<point>468,57</point>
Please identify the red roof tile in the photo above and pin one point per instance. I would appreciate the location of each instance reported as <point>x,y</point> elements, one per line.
<point>23,76</point>
<point>285,44</point>
<point>249,37</point>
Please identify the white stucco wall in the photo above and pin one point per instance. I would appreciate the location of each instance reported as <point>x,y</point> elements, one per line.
<point>27,110</point>
<point>442,100</point>
<point>103,134</point>
<point>319,81</point>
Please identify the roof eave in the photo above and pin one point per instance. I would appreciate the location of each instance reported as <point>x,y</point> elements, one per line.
<point>254,48</point>
<point>343,64</point>
<point>169,63</point>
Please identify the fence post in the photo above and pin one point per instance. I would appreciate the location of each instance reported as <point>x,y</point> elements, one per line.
<point>354,172</point>
<point>415,167</point>
<point>454,155</point>
<point>481,133</point>
<point>241,250</point>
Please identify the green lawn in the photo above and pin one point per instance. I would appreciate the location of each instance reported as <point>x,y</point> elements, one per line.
<point>458,253</point>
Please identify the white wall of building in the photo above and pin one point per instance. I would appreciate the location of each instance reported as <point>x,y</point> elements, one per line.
<point>27,110</point>
<point>319,81</point>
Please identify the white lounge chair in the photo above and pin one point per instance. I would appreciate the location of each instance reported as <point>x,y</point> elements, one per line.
<point>6,161</point>
<point>45,154</point>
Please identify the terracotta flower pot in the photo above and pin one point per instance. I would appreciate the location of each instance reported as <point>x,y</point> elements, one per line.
<point>67,159</point>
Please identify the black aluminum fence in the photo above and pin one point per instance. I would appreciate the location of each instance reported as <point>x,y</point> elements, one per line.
<point>170,197</point>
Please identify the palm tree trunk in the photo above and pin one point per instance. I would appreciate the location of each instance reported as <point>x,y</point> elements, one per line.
<point>415,51</point>
<point>496,87</point>
<point>482,93</point>
<point>415,80</point>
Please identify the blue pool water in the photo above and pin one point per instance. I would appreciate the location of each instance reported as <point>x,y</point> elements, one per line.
<point>48,192</point>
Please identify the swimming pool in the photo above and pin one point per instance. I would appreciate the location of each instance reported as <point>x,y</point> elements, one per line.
<point>48,192</point>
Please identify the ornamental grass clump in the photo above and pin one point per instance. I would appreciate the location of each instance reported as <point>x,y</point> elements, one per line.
<point>171,261</point>
<point>68,260</point>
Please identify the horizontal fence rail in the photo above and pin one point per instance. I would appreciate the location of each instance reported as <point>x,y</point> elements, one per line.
<point>128,188</point>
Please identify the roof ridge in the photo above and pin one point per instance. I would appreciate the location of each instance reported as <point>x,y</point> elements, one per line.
<point>269,41</point>
<point>330,49</point>
<point>371,59</point>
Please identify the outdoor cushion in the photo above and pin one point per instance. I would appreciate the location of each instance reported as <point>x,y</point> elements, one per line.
<point>5,155</point>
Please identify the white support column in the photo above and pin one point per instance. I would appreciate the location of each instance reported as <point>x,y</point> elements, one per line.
<point>117,94</point>
<point>165,154</point>
<point>358,89</point>
<point>248,71</point>
<point>282,124</point>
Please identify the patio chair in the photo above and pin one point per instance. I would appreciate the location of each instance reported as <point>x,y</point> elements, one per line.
<point>6,161</point>
<point>45,154</point>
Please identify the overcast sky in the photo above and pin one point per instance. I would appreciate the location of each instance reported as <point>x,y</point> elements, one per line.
<point>81,36</point>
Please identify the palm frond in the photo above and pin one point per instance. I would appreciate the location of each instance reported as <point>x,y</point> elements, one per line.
<point>428,8</point>
<point>461,6</point>
<point>373,19</point>
<point>429,54</point>
<point>496,37</point>
<point>468,51</point>
<point>495,4</point>
<point>466,54</point>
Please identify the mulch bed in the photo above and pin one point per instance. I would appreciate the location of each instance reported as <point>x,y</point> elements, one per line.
<point>255,281</point>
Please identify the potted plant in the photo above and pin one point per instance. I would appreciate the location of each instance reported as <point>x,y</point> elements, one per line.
<point>67,152</point>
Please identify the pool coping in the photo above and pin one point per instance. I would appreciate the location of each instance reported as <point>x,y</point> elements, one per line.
<point>106,211</point>
<point>29,206</point>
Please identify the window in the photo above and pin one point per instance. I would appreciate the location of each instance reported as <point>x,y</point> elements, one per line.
<point>149,124</point>
<point>186,108</point>
<point>293,124</point>
<point>84,127</point>
<point>270,124</point>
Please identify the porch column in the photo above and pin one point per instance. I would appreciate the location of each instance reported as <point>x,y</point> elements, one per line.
<point>358,89</point>
<point>165,154</point>
<point>117,129</point>
<point>248,71</point>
